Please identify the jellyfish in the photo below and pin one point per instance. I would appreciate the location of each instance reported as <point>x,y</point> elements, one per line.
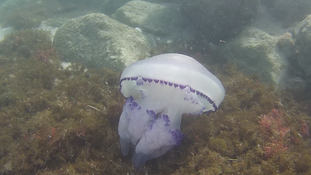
<point>159,90</point>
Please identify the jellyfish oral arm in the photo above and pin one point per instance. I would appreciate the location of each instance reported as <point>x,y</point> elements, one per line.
<point>155,115</point>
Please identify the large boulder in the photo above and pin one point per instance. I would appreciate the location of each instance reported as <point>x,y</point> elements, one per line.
<point>157,19</point>
<point>97,40</point>
<point>255,52</point>
<point>304,45</point>
<point>110,6</point>
<point>220,20</point>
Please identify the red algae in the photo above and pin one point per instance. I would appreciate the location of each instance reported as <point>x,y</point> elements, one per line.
<point>272,125</point>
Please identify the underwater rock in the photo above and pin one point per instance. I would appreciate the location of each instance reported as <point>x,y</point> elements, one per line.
<point>108,7</point>
<point>219,20</point>
<point>158,91</point>
<point>97,40</point>
<point>157,19</point>
<point>286,45</point>
<point>52,25</point>
<point>304,45</point>
<point>4,32</point>
<point>254,52</point>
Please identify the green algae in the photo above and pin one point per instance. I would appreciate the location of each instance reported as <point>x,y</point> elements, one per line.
<point>57,120</point>
<point>24,44</point>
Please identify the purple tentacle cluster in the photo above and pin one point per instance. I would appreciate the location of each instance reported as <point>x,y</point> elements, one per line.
<point>141,80</point>
<point>162,119</point>
<point>132,104</point>
<point>165,119</point>
<point>177,135</point>
<point>152,114</point>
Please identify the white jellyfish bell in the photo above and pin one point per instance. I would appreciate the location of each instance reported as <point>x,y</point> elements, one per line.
<point>159,90</point>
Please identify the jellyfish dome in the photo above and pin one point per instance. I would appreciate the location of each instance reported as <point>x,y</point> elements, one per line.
<point>159,90</point>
